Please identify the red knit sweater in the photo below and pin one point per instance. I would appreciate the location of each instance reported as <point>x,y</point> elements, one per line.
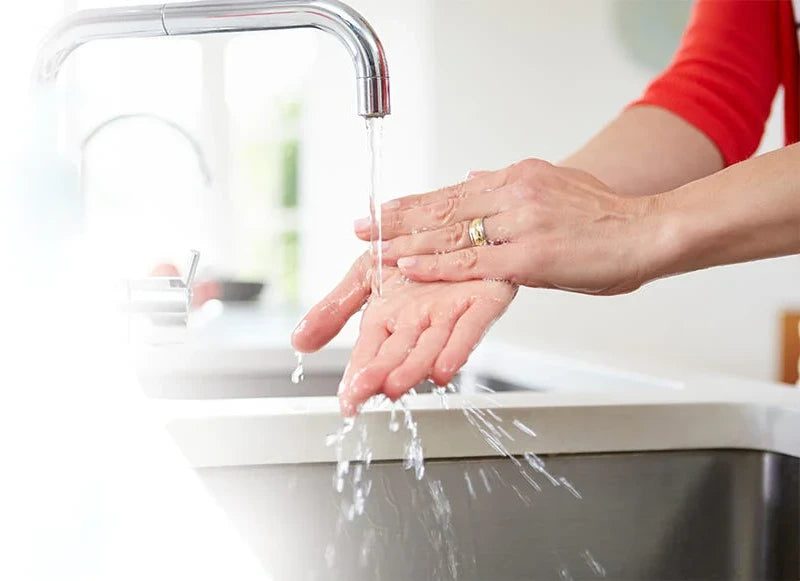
<point>733,56</point>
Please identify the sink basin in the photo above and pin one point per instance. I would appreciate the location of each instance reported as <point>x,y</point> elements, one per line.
<point>687,480</point>
<point>678,515</point>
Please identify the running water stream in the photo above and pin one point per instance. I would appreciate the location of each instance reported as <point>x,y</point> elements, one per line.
<point>375,144</point>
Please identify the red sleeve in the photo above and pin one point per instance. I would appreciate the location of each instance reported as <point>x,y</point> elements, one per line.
<point>725,74</point>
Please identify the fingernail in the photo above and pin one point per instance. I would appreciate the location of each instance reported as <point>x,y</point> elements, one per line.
<point>407,262</point>
<point>361,224</point>
<point>391,205</point>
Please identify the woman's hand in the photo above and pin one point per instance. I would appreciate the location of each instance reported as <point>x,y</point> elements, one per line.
<point>547,226</point>
<point>412,333</point>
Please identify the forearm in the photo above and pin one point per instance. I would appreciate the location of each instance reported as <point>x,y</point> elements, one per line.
<point>647,150</point>
<point>747,212</point>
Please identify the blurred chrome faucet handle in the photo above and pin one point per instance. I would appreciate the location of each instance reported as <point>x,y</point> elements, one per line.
<point>160,302</point>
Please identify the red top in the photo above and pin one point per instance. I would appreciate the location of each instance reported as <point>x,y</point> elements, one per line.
<point>733,56</point>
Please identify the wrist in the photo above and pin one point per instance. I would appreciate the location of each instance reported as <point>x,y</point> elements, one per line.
<point>669,235</point>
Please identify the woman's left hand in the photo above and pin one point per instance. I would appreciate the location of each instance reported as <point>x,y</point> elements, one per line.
<point>547,226</point>
<point>411,333</point>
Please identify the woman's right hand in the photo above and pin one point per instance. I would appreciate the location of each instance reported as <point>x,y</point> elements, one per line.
<point>548,226</point>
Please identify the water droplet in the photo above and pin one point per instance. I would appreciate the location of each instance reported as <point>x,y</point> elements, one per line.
<point>394,425</point>
<point>298,374</point>
<point>596,567</point>
<point>470,488</point>
<point>485,480</point>
<point>442,393</point>
<point>523,428</point>
<point>506,434</point>
<point>531,481</point>
<point>493,415</point>
<point>525,500</point>
<point>568,485</point>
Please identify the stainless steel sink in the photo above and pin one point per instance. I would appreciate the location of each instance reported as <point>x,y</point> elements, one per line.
<point>678,515</point>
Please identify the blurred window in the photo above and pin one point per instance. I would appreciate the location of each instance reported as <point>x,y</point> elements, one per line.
<point>241,97</point>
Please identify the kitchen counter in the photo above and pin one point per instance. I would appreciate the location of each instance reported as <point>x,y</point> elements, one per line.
<point>572,406</point>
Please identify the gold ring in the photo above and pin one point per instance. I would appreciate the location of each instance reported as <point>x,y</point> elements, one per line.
<point>477,233</point>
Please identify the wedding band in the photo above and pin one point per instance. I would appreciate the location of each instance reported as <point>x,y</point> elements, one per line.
<point>477,233</point>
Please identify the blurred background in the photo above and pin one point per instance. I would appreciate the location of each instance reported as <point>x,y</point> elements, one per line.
<point>248,148</point>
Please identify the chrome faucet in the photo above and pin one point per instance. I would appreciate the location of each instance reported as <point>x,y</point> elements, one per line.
<point>179,19</point>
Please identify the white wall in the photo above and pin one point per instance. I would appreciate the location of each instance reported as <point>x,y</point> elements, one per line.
<point>479,84</point>
<point>516,78</point>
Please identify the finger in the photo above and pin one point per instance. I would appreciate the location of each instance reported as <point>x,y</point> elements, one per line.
<point>368,380</point>
<point>482,183</point>
<point>442,214</point>
<point>371,338</point>
<point>501,262</point>
<point>419,364</point>
<point>500,229</point>
<point>324,321</point>
<point>467,333</point>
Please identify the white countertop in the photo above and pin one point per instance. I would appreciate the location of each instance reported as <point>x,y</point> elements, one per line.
<point>581,408</point>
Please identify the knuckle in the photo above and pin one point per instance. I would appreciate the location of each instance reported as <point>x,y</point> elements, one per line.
<point>395,222</point>
<point>534,165</point>
<point>455,234</point>
<point>530,190</point>
<point>529,218</point>
<point>467,259</point>
<point>444,211</point>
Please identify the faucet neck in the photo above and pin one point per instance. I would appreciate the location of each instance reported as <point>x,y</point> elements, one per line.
<point>206,17</point>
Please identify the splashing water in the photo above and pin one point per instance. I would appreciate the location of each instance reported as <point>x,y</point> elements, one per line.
<point>413,459</point>
<point>352,481</point>
<point>374,142</point>
<point>394,425</point>
<point>298,374</point>
<point>443,515</point>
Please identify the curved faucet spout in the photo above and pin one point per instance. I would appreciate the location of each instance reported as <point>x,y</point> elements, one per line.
<point>206,17</point>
